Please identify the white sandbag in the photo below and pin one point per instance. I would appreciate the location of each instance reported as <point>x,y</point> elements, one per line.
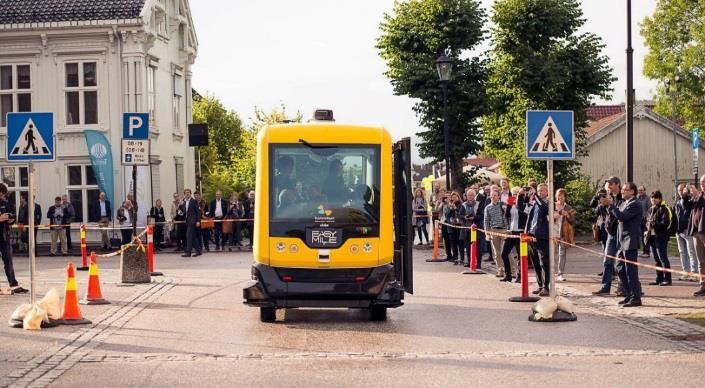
<point>565,305</point>
<point>20,312</point>
<point>51,303</point>
<point>33,320</point>
<point>545,307</point>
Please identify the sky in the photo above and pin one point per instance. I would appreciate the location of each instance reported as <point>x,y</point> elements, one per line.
<point>309,54</point>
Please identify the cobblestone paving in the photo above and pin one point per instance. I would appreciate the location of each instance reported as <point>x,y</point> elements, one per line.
<point>48,366</point>
<point>682,334</point>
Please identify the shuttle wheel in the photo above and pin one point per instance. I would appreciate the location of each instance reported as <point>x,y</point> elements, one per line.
<point>267,314</point>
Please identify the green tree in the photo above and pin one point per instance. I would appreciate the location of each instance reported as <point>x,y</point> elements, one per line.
<point>412,38</point>
<point>227,138</point>
<point>675,36</point>
<point>539,61</point>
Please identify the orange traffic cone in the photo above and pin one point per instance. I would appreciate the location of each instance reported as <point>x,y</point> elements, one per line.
<point>93,294</point>
<point>72,313</point>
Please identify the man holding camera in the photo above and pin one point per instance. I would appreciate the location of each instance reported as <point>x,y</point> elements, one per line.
<point>629,216</point>
<point>7,218</point>
<point>612,185</point>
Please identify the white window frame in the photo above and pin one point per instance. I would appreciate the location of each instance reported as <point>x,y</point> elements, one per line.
<point>14,90</point>
<point>178,110</point>
<point>81,89</point>
<point>84,187</point>
<point>17,189</point>
<point>152,70</point>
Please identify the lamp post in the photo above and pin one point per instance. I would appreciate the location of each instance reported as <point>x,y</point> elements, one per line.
<point>630,96</point>
<point>672,87</point>
<point>444,66</point>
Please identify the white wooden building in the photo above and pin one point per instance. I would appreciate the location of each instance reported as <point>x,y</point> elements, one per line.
<point>653,151</point>
<point>88,62</point>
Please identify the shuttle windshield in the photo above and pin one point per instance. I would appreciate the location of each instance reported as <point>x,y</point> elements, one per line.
<point>324,184</point>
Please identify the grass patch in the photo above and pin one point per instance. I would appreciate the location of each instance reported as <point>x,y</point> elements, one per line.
<point>696,318</point>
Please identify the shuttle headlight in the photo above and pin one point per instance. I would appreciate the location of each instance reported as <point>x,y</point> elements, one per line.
<point>293,248</point>
<point>354,249</point>
<point>281,247</point>
<point>367,247</point>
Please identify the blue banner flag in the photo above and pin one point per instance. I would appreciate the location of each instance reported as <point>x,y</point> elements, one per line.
<point>101,155</point>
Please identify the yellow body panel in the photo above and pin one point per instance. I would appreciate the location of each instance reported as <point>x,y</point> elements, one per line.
<point>264,249</point>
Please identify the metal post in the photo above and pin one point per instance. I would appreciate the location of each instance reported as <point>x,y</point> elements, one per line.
<point>551,230</point>
<point>675,147</point>
<point>32,260</point>
<point>630,96</point>
<point>200,182</point>
<point>446,140</point>
<point>134,198</point>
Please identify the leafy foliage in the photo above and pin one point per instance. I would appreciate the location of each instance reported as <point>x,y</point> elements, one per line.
<point>539,61</point>
<point>675,36</point>
<point>413,37</point>
<point>229,160</point>
<point>580,192</point>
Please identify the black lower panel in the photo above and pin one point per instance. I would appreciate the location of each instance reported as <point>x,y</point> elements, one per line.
<point>286,287</point>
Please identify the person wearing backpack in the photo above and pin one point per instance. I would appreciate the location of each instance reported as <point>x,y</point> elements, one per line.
<point>658,225</point>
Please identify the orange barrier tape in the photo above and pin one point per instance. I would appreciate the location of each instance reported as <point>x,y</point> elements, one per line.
<point>639,264</point>
<point>636,263</point>
<point>486,232</point>
<point>126,246</point>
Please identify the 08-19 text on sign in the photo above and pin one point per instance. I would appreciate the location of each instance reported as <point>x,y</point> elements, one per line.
<point>135,152</point>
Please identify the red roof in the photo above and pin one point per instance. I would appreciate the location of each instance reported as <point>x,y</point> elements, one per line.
<point>599,112</point>
<point>596,126</point>
<point>480,162</point>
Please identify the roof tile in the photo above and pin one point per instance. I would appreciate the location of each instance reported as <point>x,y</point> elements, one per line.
<point>37,11</point>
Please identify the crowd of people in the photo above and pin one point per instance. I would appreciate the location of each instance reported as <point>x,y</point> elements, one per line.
<point>191,225</point>
<point>627,221</point>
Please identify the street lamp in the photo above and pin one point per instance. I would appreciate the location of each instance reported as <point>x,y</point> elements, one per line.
<point>672,88</point>
<point>444,65</point>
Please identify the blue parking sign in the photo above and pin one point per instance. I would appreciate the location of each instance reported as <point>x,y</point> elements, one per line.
<point>30,137</point>
<point>550,135</point>
<point>135,126</point>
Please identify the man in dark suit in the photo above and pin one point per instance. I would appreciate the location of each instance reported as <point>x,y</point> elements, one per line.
<point>537,227</point>
<point>629,215</point>
<point>192,213</point>
<point>218,210</point>
<point>100,213</point>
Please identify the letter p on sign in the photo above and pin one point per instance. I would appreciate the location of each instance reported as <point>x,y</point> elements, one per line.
<point>135,126</point>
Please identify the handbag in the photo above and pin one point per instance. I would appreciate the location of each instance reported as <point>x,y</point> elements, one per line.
<point>228,225</point>
<point>207,223</point>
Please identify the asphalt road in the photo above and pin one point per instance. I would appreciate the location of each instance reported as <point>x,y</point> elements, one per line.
<point>191,329</point>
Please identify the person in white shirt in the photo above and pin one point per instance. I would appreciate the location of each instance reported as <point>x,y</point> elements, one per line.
<point>218,210</point>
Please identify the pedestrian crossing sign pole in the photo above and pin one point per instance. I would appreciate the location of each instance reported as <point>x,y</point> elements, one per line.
<point>550,135</point>
<point>30,138</point>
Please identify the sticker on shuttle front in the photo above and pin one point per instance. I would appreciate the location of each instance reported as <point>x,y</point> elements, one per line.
<point>324,237</point>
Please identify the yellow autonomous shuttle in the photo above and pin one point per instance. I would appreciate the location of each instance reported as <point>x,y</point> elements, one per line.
<point>333,224</point>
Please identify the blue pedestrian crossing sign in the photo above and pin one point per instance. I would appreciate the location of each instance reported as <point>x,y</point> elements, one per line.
<point>30,137</point>
<point>550,135</point>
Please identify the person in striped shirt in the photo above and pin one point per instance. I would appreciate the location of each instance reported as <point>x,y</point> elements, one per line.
<point>495,222</point>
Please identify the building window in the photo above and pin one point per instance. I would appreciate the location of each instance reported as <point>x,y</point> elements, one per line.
<point>16,178</point>
<point>81,88</point>
<point>152,93</point>
<point>178,101</point>
<point>179,176</point>
<point>82,189</point>
<point>15,90</point>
